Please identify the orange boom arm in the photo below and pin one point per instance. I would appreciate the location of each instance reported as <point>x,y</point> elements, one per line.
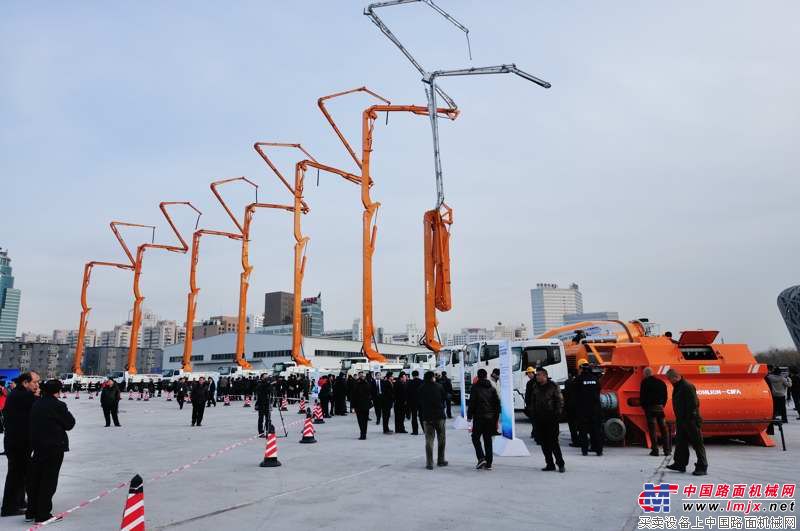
<point>136,322</point>
<point>87,274</point>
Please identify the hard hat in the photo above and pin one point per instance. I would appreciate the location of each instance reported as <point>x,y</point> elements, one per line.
<point>530,370</point>
<point>582,363</point>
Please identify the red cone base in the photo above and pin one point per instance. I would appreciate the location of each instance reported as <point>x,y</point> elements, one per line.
<point>308,431</point>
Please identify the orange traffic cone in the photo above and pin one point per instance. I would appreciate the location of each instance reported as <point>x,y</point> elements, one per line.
<point>246,401</point>
<point>302,410</point>
<point>308,431</point>
<point>133,515</point>
<point>91,396</point>
<point>147,396</point>
<point>227,400</point>
<point>318,415</point>
<point>284,404</point>
<point>130,395</point>
<point>169,396</point>
<point>271,450</point>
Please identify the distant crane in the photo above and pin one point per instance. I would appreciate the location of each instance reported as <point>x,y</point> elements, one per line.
<point>87,274</point>
<point>136,321</point>
<point>438,221</point>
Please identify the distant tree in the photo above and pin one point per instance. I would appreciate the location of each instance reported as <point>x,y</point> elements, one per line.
<point>779,356</point>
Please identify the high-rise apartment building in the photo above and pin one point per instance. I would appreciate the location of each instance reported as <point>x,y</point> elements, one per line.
<point>549,304</point>
<point>313,323</point>
<point>9,300</point>
<point>278,308</point>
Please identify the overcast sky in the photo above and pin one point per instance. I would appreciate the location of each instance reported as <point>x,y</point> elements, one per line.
<point>659,172</point>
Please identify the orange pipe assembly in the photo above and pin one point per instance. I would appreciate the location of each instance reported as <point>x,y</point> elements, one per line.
<point>299,208</point>
<point>436,238</point>
<point>370,229</point>
<point>137,272</point>
<point>87,273</point>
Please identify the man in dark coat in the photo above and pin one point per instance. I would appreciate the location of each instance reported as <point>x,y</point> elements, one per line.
<point>688,424</point>
<point>199,399</point>
<point>431,398</point>
<point>212,394</point>
<point>530,386</point>
<point>386,397</point>
<point>653,398</point>
<point>360,400</point>
<point>547,404</point>
<point>325,395</point>
<point>447,385</point>
<point>263,397</point>
<point>17,441</point>
<point>589,412</point>
<point>571,409</point>
<point>340,395</point>
<point>180,392</point>
<point>373,389</point>
<point>50,422</point>
<point>109,401</point>
<point>484,411</point>
<point>412,392</point>
<point>400,403</point>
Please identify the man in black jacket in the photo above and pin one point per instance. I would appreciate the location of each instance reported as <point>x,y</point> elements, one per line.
<point>688,424</point>
<point>400,403</point>
<point>530,386</point>
<point>17,441</point>
<point>360,400</point>
<point>263,397</point>
<point>447,385</point>
<point>50,422</point>
<point>386,397</point>
<point>431,398</point>
<point>109,401</point>
<point>412,393</point>
<point>590,417</point>
<point>547,404</point>
<point>199,399</point>
<point>483,410</point>
<point>374,383</point>
<point>212,394</point>
<point>653,398</point>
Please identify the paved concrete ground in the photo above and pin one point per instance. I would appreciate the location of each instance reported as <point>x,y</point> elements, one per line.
<point>341,483</point>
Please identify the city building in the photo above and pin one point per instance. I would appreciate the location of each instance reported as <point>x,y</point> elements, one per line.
<point>411,336</point>
<point>468,335</point>
<point>220,324</point>
<point>33,337</point>
<point>572,318</point>
<point>103,360</point>
<point>254,322</point>
<point>278,308</point>
<point>119,337</point>
<point>502,331</point>
<point>89,340</point>
<point>549,304</point>
<point>313,323</point>
<point>263,350</point>
<point>164,333</point>
<point>9,300</point>
<point>276,330</point>
<point>59,337</point>
<point>47,359</point>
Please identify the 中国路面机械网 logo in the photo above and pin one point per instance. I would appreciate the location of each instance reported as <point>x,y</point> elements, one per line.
<point>654,498</point>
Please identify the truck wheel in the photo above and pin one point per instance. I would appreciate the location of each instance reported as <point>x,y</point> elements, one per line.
<point>614,430</point>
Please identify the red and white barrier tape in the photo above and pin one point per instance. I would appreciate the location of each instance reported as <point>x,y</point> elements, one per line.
<point>163,475</point>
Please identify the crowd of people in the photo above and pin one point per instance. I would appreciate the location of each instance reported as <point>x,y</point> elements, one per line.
<point>35,422</point>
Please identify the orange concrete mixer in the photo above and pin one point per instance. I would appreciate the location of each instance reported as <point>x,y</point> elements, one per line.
<point>735,401</point>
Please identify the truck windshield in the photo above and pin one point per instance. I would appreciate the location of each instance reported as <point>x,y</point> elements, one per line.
<point>541,356</point>
<point>490,352</point>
